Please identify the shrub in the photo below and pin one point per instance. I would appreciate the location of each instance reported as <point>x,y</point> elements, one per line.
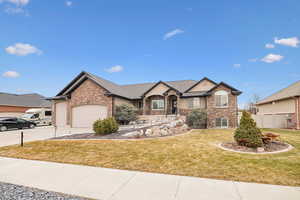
<point>105,126</point>
<point>196,119</point>
<point>248,134</point>
<point>125,114</point>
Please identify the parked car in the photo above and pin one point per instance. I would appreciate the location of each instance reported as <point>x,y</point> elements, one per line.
<point>7,123</point>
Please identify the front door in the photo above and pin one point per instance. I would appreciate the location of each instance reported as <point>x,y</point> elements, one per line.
<point>174,106</point>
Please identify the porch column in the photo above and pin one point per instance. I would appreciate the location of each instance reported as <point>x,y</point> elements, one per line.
<point>178,105</point>
<point>166,105</point>
<point>297,112</point>
<point>144,105</point>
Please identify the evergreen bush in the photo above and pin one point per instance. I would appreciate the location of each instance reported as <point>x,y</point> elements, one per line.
<point>105,126</point>
<point>247,134</point>
<point>197,119</point>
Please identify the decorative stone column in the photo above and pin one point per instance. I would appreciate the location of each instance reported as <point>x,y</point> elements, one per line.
<point>166,104</point>
<point>178,106</point>
<point>297,112</point>
<point>144,105</point>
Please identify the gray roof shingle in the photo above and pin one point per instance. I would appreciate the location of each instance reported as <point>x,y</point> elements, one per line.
<point>131,91</point>
<point>25,100</point>
<point>290,91</point>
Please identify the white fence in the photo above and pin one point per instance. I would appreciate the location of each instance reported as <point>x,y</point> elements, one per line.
<point>271,121</point>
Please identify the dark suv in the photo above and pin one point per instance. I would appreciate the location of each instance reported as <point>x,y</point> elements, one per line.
<point>7,123</point>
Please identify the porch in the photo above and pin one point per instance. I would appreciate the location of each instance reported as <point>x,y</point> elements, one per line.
<point>160,105</point>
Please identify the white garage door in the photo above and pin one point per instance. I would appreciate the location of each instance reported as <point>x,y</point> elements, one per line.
<point>61,114</point>
<point>85,116</point>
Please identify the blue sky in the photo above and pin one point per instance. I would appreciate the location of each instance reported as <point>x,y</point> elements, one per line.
<point>251,45</point>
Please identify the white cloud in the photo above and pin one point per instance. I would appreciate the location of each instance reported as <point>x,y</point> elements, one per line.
<point>16,2</point>
<point>17,8</point>
<point>270,58</point>
<point>270,46</point>
<point>173,33</point>
<point>236,65</point>
<point>11,74</point>
<point>292,42</point>
<point>253,59</point>
<point>21,49</point>
<point>117,68</point>
<point>69,3</point>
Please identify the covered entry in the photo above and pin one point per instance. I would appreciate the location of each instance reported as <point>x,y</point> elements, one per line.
<point>85,116</point>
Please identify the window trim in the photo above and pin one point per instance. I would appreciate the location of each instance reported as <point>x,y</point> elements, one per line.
<point>222,118</point>
<point>157,100</point>
<point>222,93</point>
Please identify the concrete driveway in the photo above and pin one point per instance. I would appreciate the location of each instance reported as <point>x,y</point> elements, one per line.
<point>39,133</point>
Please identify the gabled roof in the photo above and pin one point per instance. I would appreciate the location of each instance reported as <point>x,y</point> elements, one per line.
<point>24,100</point>
<point>204,79</point>
<point>234,91</point>
<point>132,91</point>
<point>292,90</point>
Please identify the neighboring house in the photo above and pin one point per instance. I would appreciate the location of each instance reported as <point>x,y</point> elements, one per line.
<point>14,105</point>
<point>89,97</point>
<point>285,104</point>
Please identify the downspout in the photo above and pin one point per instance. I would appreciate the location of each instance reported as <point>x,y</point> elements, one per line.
<point>297,113</point>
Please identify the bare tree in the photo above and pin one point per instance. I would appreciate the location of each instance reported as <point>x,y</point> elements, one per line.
<point>251,106</point>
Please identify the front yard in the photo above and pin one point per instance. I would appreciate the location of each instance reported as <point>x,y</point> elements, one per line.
<point>192,154</point>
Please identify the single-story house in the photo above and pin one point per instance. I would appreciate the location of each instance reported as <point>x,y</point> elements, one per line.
<point>14,105</point>
<point>88,98</point>
<point>285,102</point>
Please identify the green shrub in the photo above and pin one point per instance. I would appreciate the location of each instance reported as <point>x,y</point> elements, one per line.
<point>197,119</point>
<point>105,126</point>
<point>248,134</point>
<point>125,114</point>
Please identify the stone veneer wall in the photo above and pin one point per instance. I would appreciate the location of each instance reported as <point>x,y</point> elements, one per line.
<point>149,111</point>
<point>89,93</point>
<point>230,112</point>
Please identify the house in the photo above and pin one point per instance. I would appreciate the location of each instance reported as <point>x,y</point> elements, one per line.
<point>285,104</point>
<point>14,105</point>
<point>89,97</point>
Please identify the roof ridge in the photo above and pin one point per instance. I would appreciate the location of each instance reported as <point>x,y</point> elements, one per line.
<point>290,85</point>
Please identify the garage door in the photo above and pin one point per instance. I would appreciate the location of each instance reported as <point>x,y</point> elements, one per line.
<point>85,116</point>
<point>61,114</point>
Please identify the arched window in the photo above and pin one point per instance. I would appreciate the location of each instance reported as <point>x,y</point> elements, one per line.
<point>221,99</point>
<point>221,122</point>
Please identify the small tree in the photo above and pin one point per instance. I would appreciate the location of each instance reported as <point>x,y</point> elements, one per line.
<point>125,114</point>
<point>248,134</point>
<point>105,126</point>
<point>197,119</point>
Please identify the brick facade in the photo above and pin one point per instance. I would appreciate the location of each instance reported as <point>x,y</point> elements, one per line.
<point>88,93</point>
<point>229,113</point>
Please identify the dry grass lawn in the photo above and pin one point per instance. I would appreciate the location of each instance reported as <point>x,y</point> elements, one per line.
<point>193,154</point>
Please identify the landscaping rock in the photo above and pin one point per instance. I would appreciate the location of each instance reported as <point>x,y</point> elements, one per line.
<point>132,134</point>
<point>260,149</point>
<point>148,132</point>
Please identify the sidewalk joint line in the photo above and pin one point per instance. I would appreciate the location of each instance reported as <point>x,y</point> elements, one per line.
<point>237,190</point>
<point>122,186</point>
<point>177,187</point>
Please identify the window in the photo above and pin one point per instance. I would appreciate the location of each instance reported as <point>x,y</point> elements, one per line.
<point>48,113</point>
<point>158,104</point>
<point>221,99</point>
<point>222,123</point>
<point>196,102</point>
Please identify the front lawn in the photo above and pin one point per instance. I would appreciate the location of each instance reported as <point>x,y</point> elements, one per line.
<point>193,154</point>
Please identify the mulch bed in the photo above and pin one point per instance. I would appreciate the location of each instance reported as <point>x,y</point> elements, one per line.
<point>271,147</point>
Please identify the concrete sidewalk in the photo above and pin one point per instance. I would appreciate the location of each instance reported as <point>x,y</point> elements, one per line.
<point>111,184</point>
